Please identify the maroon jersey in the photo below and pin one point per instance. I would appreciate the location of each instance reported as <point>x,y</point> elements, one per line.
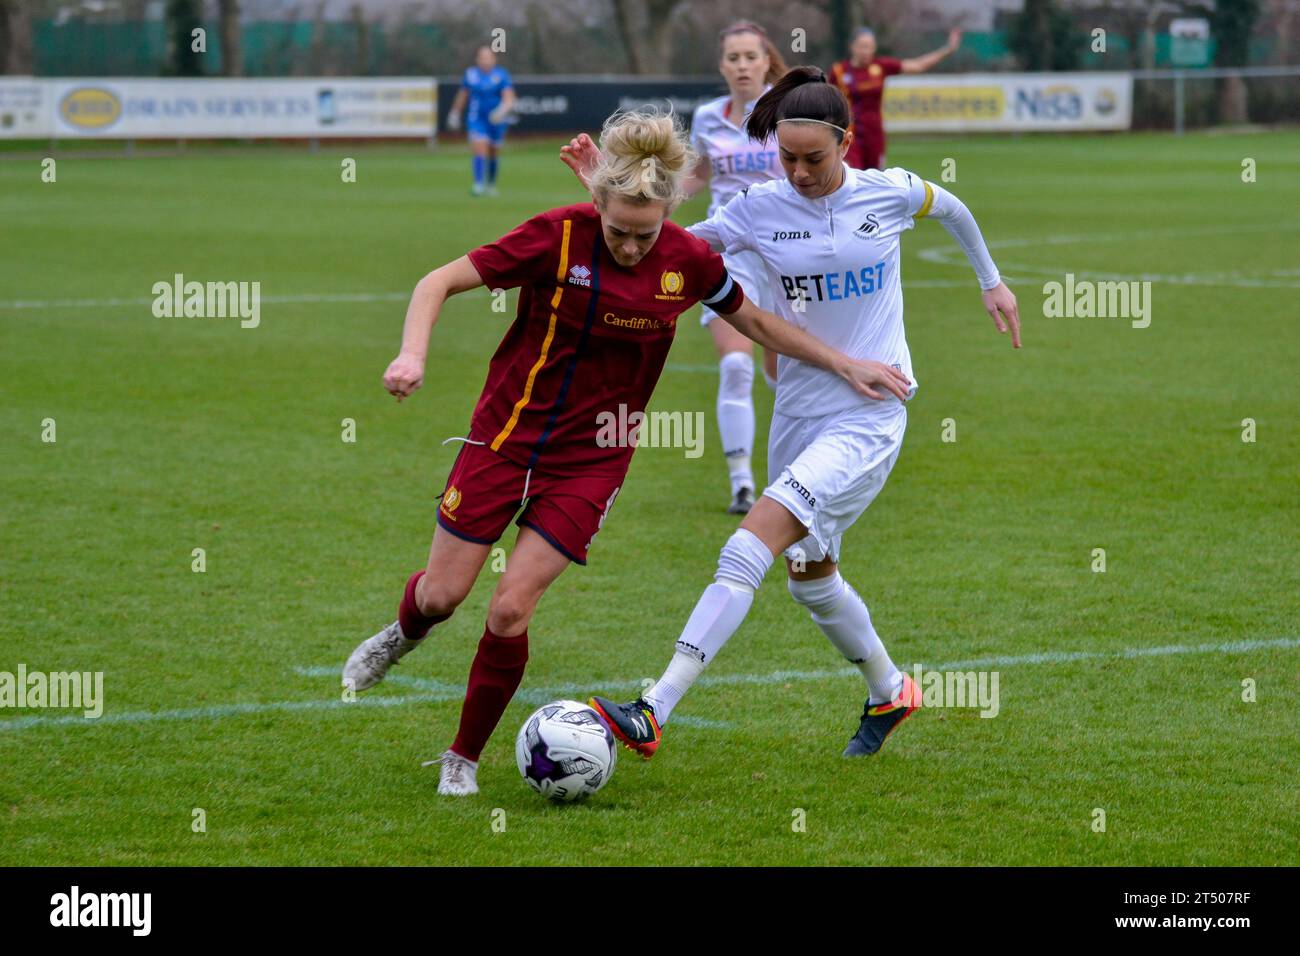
<point>865,87</point>
<point>589,336</point>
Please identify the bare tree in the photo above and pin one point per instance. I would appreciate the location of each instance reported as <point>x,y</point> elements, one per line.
<point>16,37</point>
<point>362,28</point>
<point>232,50</point>
<point>182,20</point>
<point>887,19</point>
<point>646,27</point>
<point>1232,23</point>
<point>1283,14</point>
<point>537,30</point>
<point>316,51</point>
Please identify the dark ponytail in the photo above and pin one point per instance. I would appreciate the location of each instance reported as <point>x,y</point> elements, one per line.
<point>802,93</point>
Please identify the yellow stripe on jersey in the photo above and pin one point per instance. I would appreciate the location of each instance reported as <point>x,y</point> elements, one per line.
<point>546,342</point>
<point>929,201</point>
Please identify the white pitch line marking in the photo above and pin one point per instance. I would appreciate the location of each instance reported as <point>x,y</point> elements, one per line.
<point>289,298</point>
<point>947,255</point>
<point>529,695</point>
<point>326,297</point>
<point>441,693</point>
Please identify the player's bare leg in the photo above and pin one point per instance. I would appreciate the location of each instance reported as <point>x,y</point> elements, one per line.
<point>430,597</point>
<point>736,410</point>
<point>502,655</point>
<point>843,617</point>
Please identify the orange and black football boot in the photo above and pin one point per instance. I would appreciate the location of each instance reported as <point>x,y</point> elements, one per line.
<point>633,724</point>
<point>880,720</point>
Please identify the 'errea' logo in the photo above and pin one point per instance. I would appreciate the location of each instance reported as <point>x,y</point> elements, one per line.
<point>133,910</point>
<point>580,275</point>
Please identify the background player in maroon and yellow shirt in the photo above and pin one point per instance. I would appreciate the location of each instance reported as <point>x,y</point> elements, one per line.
<point>862,79</point>
<point>601,287</point>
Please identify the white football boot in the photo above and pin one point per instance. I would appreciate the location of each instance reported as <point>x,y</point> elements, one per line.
<point>372,658</point>
<point>459,775</point>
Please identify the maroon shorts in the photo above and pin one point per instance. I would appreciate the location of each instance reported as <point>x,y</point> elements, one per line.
<point>485,490</point>
<point>867,151</point>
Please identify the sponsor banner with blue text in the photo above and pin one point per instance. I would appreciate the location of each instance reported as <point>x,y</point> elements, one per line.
<point>1006,102</point>
<point>205,108</point>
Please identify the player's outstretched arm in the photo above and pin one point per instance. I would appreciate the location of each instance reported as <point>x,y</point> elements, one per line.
<point>406,372</point>
<point>920,64</point>
<point>772,332</point>
<point>999,301</point>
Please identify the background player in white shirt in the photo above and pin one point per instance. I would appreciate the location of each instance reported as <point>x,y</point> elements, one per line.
<point>730,161</point>
<point>829,236</point>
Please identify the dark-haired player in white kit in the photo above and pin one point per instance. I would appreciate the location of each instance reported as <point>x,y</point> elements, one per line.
<point>829,236</point>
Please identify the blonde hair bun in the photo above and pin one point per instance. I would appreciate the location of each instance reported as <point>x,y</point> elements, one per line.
<point>644,157</point>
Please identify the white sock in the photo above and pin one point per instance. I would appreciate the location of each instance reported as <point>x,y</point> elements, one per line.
<point>680,674</point>
<point>720,610</point>
<point>718,613</point>
<point>736,416</point>
<point>843,617</point>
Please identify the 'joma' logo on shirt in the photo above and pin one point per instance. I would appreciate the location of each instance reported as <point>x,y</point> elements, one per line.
<point>797,234</point>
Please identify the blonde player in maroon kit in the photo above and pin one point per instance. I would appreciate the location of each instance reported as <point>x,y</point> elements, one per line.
<point>602,285</point>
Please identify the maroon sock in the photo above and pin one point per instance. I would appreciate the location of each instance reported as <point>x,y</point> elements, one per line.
<point>414,622</point>
<point>493,679</point>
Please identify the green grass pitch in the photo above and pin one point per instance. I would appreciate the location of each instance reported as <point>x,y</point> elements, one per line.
<point>221,687</point>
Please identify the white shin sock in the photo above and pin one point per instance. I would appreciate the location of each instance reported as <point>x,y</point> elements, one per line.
<point>843,617</point>
<point>718,613</point>
<point>736,416</point>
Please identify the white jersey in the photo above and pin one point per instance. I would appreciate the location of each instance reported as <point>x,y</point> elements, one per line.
<point>839,254</point>
<point>735,160</point>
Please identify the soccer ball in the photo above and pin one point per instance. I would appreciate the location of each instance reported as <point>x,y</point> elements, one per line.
<point>565,751</point>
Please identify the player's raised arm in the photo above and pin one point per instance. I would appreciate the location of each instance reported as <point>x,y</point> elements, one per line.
<point>999,302</point>
<point>405,373</point>
<point>774,333</point>
<point>581,154</point>
<point>922,64</point>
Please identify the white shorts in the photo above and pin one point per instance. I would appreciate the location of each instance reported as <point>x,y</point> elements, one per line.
<point>831,468</point>
<point>748,269</point>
